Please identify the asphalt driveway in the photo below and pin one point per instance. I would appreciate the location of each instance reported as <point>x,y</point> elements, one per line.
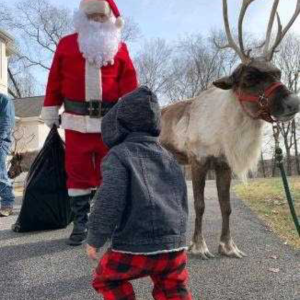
<point>40,266</point>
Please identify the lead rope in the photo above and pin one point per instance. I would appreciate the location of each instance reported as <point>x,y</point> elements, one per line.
<point>279,164</point>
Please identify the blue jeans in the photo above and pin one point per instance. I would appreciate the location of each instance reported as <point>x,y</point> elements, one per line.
<point>7,197</point>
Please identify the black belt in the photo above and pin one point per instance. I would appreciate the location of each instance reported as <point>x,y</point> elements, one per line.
<point>93,108</point>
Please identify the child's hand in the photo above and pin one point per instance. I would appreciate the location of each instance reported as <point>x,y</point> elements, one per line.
<point>91,252</point>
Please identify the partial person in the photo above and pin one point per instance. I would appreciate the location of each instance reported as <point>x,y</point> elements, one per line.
<point>7,122</point>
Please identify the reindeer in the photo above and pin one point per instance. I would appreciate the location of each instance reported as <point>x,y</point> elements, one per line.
<point>222,127</point>
<point>21,160</point>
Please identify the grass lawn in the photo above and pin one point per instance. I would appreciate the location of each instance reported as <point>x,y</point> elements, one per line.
<point>266,197</point>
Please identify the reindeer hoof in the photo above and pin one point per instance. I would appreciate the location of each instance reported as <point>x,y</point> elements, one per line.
<point>200,250</point>
<point>229,249</point>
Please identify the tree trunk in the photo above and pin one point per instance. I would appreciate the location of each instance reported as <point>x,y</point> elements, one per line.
<point>15,84</point>
<point>263,168</point>
<point>288,158</point>
<point>296,147</point>
<point>274,166</point>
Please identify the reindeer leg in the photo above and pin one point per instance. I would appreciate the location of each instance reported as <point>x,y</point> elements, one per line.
<point>227,246</point>
<point>198,246</point>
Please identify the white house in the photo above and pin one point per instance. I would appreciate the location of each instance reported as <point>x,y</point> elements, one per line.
<point>6,49</point>
<point>30,129</point>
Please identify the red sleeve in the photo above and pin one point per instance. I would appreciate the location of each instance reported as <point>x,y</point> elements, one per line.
<point>128,79</point>
<point>54,87</point>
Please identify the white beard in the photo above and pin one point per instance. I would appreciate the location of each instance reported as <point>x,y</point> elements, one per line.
<point>98,42</point>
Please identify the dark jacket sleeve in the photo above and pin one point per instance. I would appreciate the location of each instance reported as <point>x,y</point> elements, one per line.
<point>109,201</point>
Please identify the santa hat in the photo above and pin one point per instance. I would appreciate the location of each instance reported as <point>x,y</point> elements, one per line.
<point>104,7</point>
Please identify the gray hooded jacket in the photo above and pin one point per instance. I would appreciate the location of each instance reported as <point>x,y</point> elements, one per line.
<point>142,202</point>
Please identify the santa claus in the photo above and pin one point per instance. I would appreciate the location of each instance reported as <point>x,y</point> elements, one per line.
<point>91,70</point>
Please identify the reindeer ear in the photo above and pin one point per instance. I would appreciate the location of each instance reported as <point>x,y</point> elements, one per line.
<point>225,83</point>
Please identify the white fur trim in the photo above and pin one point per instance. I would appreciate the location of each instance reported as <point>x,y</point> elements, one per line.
<point>93,82</point>
<point>50,113</point>
<point>151,253</point>
<point>83,124</point>
<point>95,6</point>
<point>120,22</point>
<point>78,192</point>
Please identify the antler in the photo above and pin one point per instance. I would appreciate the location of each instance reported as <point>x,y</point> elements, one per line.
<point>244,8</point>
<point>268,53</point>
<point>17,139</point>
<point>19,135</point>
<point>270,26</point>
<point>27,141</point>
<point>231,43</point>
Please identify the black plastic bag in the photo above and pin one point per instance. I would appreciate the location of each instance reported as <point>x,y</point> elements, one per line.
<point>46,204</point>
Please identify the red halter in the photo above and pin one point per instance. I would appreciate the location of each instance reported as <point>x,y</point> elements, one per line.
<point>264,112</point>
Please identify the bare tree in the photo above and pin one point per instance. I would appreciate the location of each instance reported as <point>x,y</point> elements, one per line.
<point>21,139</point>
<point>183,70</point>
<point>131,31</point>
<point>196,64</point>
<point>36,26</point>
<point>18,77</point>
<point>6,17</point>
<point>21,83</point>
<point>288,60</point>
<point>153,64</point>
<point>295,141</point>
<point>39,27</point>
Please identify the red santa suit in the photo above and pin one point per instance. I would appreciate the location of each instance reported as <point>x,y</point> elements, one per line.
<point>76,79</point>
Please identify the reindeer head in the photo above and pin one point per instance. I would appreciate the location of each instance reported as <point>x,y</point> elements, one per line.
<point>21,140</point>
<point>15,168</point>
<point>256,81</point>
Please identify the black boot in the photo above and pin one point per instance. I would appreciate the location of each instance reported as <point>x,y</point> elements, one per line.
<point>93,193</point>
<point>80,207</point>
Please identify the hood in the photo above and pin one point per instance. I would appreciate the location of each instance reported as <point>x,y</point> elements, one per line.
<point>137,111</point>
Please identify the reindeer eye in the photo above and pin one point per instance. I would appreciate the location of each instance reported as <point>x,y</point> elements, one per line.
<point>277,75</point>
<point>253,77</point>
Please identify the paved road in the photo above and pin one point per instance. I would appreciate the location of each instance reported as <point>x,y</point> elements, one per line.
<point>40,266</point>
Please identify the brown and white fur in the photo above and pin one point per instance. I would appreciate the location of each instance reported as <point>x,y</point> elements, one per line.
<point>212,131</point>
<point>21,162</point>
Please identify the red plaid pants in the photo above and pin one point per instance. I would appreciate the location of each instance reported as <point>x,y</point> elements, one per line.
<point>167,271</point>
